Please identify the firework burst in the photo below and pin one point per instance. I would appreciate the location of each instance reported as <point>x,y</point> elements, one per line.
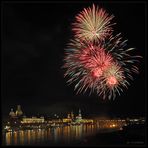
<point>105,67</point>
<point>112,81</point>
<point>93,24</point>
<point>95,59</point>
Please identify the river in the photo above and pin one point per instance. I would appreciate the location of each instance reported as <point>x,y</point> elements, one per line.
<point>52,136</point>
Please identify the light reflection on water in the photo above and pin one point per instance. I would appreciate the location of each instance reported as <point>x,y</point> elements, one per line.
<point>65,134</point>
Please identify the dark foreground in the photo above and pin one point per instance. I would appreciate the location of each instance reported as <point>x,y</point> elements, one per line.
<point>127,136</point>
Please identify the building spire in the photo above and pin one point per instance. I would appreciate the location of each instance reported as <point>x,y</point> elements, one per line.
<point>19,111</point>
<point>80,113</point>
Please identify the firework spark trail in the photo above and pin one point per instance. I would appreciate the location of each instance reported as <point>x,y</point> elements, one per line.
<point>113,80</point>
<point>93,24</point>
<point>99,63</point>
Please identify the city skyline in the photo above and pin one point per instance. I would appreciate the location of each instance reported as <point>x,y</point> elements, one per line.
<point>19,129</point>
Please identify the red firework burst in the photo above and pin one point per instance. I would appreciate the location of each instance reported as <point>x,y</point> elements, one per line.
<point>95,59</point>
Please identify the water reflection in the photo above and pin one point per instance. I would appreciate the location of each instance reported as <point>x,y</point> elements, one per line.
<point>65,134</point>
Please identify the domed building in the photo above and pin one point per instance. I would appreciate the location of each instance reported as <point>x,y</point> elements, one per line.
<point>12,114</point>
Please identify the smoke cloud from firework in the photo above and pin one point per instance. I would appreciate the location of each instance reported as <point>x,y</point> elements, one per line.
<point>95,59</point>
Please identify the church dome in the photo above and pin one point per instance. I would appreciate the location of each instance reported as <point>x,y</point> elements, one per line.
<point>12,114</point>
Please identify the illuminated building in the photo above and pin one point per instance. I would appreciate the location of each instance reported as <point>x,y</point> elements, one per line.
<point>13,119</point>
<point>68,116</point>
<point>16,114</point>
<point>12,114</point>
<point>66,120</point>
<point>33,120</point>
<point>87,121</point>
<point>79,117</point>
<point>72,116</point>
<point>19,111</point>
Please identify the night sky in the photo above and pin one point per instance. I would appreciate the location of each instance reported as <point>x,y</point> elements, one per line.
<point>34,36</point>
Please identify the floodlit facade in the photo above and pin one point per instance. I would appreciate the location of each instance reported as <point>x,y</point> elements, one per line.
<point>33,120</point>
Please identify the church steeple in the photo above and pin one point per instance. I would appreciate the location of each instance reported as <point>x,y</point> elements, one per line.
<point>80,113</point>
<point>72,115</point>
<point>19,111</point>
